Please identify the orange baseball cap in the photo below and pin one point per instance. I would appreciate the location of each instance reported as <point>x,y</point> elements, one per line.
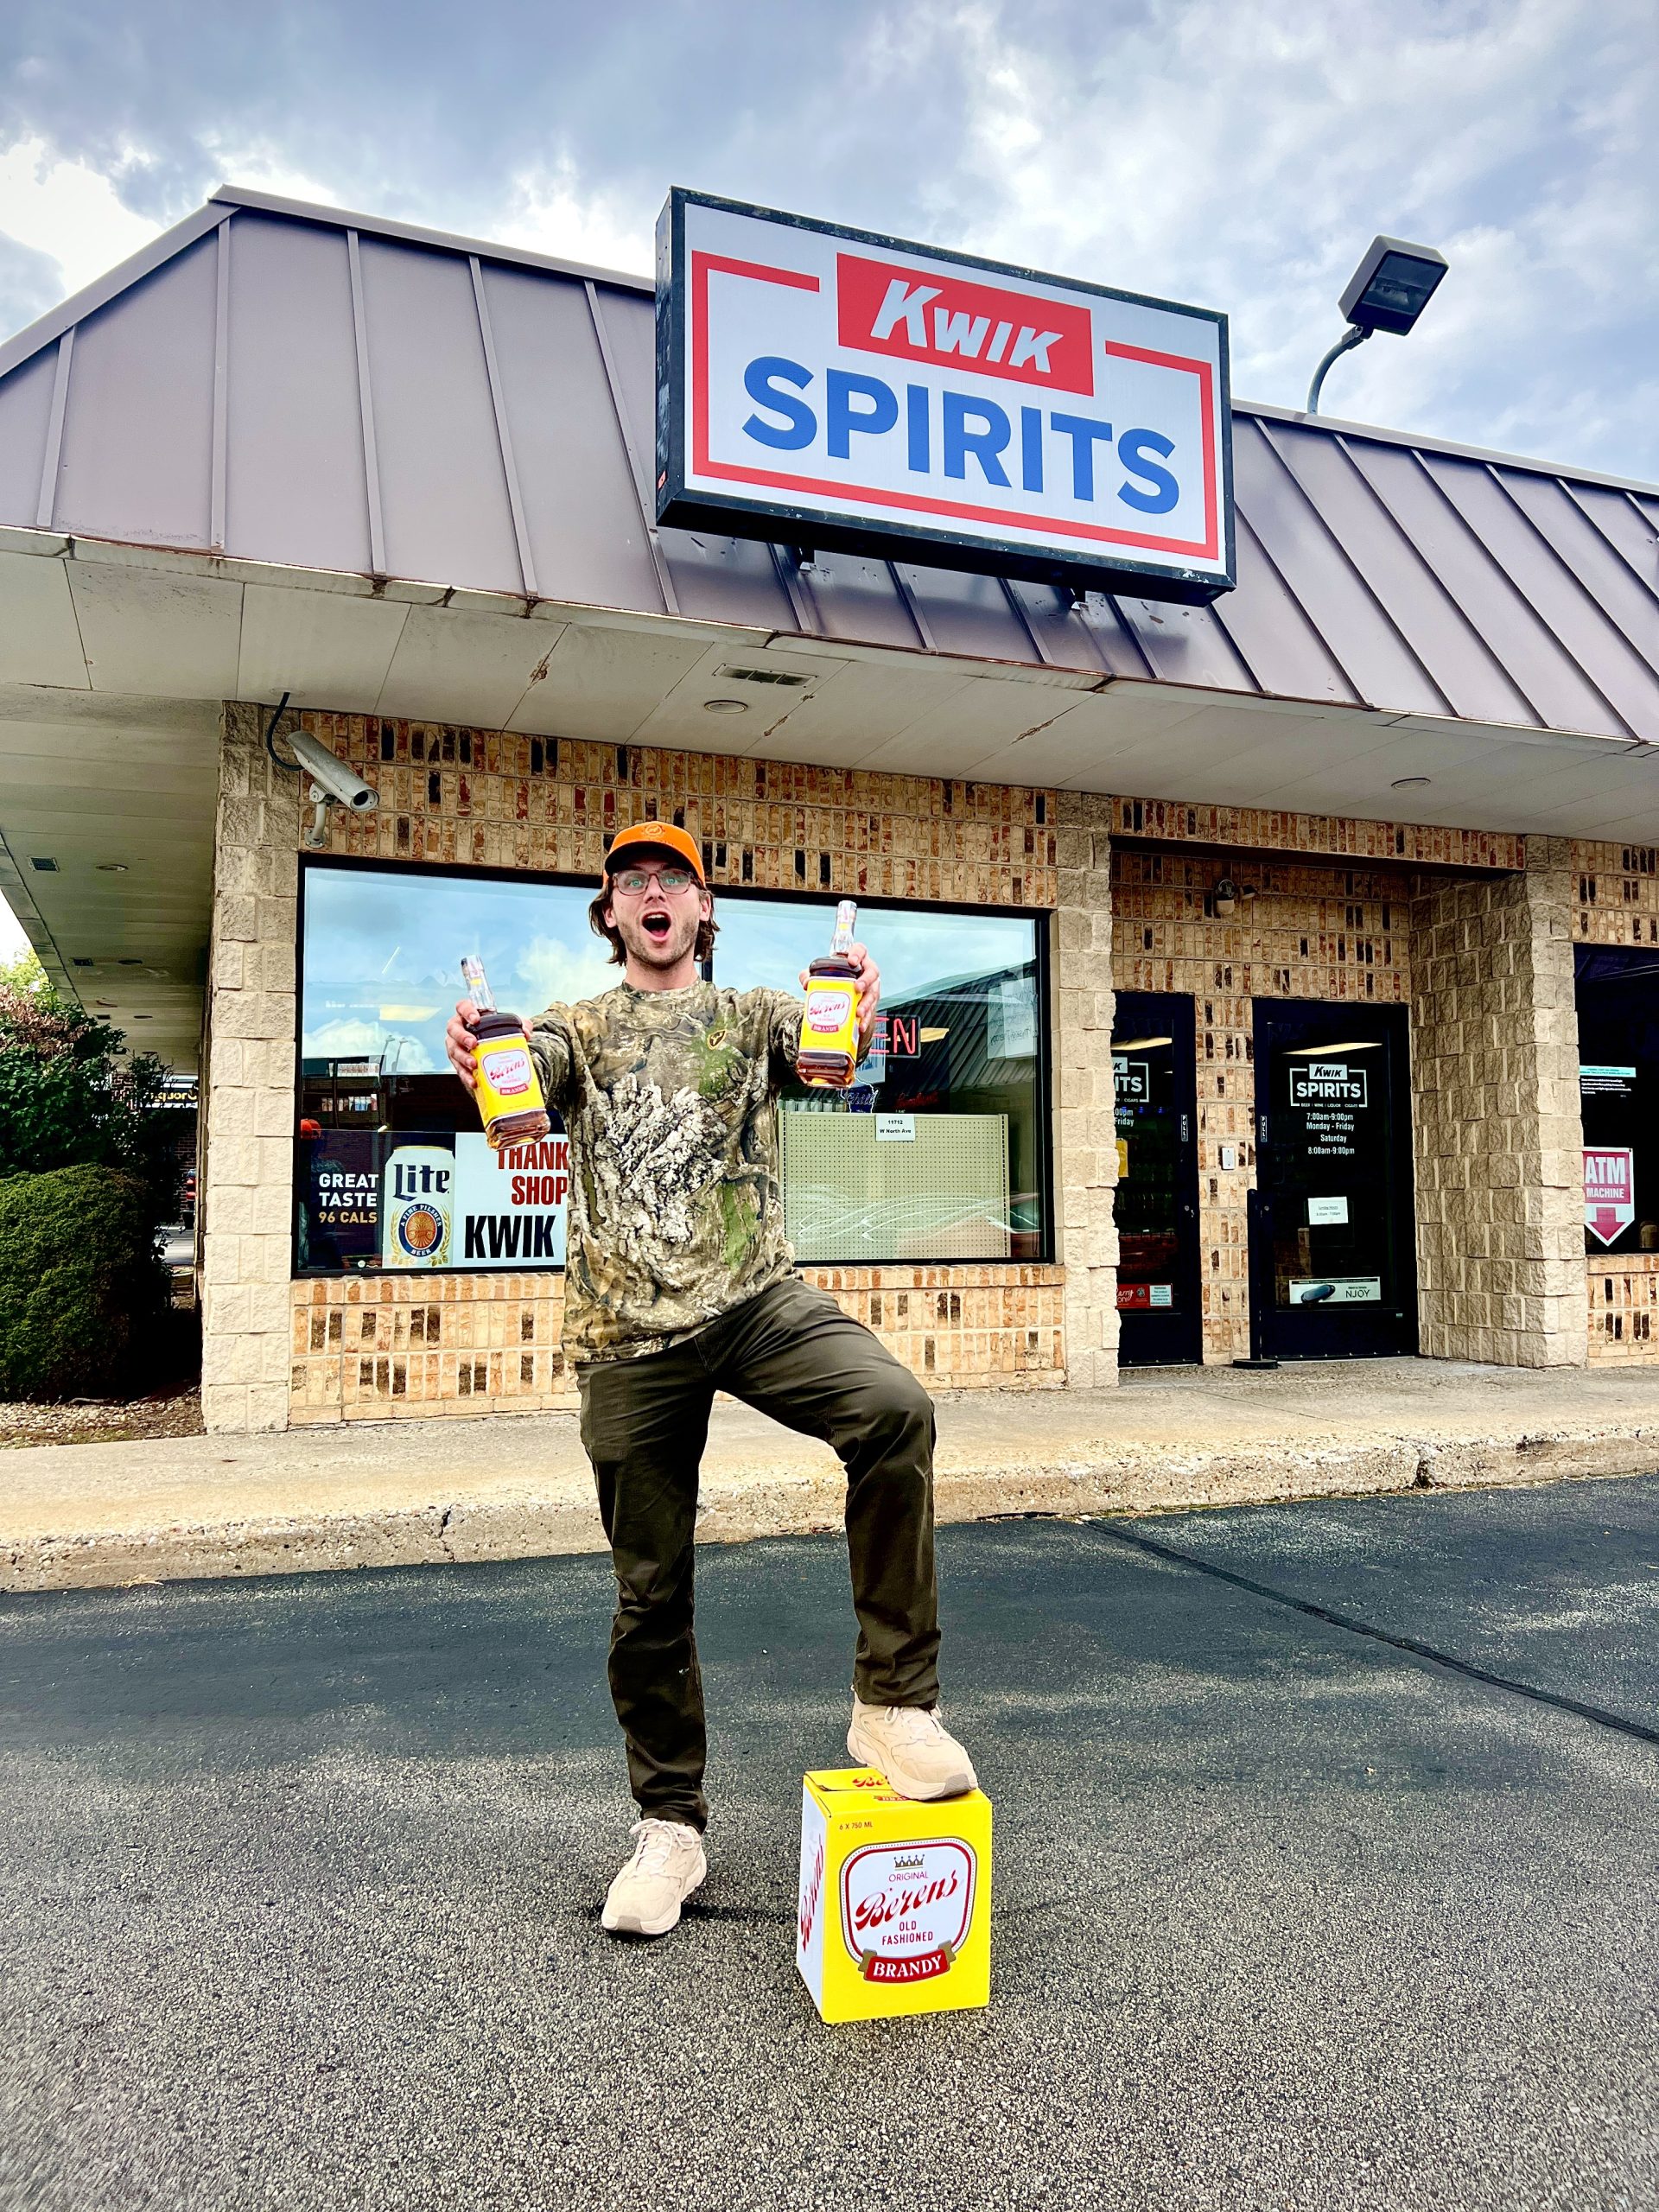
<point>663,837</point>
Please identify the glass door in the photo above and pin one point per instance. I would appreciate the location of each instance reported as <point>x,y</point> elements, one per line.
<point>1333,1249</point>
<point>1156,1205</point>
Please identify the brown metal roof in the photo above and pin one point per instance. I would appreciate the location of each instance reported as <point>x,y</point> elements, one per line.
<point>289,384</point>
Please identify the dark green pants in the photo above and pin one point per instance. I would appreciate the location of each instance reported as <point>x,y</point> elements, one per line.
<point>792,1353</point>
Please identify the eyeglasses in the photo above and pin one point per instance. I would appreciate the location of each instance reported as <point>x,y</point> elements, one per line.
<point>635,880</point>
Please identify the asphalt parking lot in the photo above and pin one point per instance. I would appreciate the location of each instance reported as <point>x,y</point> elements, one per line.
<point>299,1881</point>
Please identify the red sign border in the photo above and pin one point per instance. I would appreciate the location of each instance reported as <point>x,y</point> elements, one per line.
<point>705,264</point>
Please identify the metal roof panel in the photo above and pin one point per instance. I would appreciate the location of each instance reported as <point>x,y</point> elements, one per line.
<point>295,487</point>
<point>442,490</point>
<point>137,461</point>
<point>25,410</point>
<point>1306,547</point>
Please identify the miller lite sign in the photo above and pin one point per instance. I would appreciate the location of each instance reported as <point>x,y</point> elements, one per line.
<point>893,1912</point>
<point>829,388</point>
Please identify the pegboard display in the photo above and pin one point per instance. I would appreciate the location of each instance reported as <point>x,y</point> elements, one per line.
<point>896,1186</point>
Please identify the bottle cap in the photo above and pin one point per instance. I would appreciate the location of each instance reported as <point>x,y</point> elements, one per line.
<point>472,974</point>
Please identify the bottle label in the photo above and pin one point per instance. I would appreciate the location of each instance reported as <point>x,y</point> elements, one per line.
<point>828,1011</point>
<point>506,1070</point>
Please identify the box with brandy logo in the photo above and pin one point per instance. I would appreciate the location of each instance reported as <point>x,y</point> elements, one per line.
<point>895,1898</point>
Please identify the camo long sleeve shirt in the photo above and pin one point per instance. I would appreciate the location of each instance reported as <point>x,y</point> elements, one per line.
<point>668,1100</point>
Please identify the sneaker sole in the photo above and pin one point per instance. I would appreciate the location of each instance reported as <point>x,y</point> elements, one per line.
<point>953,1787</point>
<point>649,1928</point>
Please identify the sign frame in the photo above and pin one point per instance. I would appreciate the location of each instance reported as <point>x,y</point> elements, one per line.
<point>873,536</point>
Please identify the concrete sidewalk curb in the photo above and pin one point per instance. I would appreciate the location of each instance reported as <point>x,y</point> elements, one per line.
<point>537,1519</point>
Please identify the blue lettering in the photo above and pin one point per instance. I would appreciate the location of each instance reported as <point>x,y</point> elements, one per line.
<point>919,453</point>
<point>1030,449</point>
<point>841,418</point>
<point>984,443</point>
<point>760,380</point>
<point>1131,451</point>
<point>1084,431</point>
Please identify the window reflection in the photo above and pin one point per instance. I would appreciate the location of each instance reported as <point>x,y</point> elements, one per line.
<point>935,1153</point>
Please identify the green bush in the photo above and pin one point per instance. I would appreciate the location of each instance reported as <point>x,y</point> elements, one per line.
<point>83,1294</point>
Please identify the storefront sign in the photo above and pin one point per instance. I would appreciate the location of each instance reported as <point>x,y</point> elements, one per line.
<point>1339,1290</point>
<point>1609,1191</point>
<point>510,1206</point>
<point>1326,1082</point>
<point>895,1128</point>
<point>1132,1081</point>
<point>833,388</point>
<point>432,1200</point>
<point>1144,1297</point>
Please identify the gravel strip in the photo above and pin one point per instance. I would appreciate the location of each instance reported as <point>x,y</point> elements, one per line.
<point>102,1420</point>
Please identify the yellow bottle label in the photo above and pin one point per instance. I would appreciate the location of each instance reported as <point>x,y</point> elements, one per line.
<point>507,1077</point>
<point>830,1022</point>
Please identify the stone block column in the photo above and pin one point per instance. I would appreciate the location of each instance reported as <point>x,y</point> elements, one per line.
<point>244,1206</point>
<point>1085,1128</point>
<point>1497,1133</point>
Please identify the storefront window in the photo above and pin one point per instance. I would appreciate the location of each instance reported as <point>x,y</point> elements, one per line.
<point>937,1153</point>
<point>1618,1094</point>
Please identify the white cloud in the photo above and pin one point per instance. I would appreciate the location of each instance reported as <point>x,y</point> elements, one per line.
<point>548,211</point>
<point>557,975</point>
<point>368,1040</point>
<point>69,211</point>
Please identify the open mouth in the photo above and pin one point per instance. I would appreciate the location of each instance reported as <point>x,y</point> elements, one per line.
<point>656,927</point>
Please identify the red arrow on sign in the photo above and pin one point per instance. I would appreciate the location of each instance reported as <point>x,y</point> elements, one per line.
<point>1604,1220</point>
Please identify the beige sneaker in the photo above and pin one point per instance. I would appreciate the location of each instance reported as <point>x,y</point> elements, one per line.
<point>667,1865</point>
<point>912,1746</point>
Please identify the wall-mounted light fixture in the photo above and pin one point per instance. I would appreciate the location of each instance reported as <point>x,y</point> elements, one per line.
<point>1388,290</point>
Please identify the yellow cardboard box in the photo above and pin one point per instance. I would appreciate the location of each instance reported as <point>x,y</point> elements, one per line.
<point>895,1898</point>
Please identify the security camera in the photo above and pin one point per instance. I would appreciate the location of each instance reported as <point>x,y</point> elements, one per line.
<point>330,774</point>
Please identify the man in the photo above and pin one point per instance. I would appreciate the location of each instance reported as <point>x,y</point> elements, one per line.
<point>679,1282</point>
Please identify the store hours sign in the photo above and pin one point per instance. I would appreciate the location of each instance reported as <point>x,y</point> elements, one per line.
<point>821,387</point>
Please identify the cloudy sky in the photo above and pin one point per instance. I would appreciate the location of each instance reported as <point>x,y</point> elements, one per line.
<point>1239,154</point>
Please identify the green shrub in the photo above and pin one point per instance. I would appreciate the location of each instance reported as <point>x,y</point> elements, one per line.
<point>82,1291</point>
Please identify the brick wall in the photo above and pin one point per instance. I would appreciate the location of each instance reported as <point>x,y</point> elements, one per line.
<point>1347,911</point>
<point>381,1347</point>
<point>1495,1099</point>
<point>1306,930</point>
<point>1614,894</point>
<point>1086,1136</point>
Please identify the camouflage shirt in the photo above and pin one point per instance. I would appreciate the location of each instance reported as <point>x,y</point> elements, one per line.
<point>670,1101</point>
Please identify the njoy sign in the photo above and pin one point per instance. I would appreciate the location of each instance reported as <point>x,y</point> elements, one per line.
<point>832,389</point>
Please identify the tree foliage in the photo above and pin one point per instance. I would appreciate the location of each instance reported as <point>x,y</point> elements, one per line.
<point>71,1096</point>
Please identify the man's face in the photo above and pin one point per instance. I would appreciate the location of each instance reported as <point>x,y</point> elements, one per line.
<point>658,926</point>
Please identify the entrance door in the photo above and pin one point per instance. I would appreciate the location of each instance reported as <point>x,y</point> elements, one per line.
<point>1332,1252</point>
<point>1157,1202</point>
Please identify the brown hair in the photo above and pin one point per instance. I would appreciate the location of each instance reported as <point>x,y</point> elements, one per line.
<point>708,930</point>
